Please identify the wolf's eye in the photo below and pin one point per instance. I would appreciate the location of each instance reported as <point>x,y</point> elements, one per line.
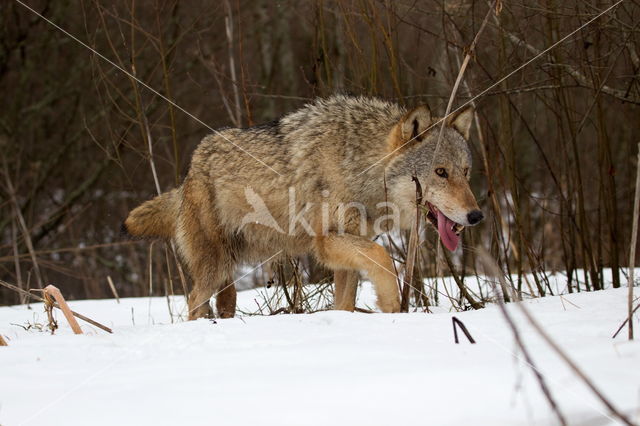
<point>442,172</point>
<point>466,171</point>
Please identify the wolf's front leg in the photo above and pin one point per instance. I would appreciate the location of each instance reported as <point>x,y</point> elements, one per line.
<point>348,251</point>
<point>346,286</point>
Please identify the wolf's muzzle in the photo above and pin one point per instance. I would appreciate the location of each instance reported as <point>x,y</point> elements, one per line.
<point>475,217</point>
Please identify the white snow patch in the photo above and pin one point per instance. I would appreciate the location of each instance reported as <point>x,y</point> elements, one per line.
<point>327,368</point>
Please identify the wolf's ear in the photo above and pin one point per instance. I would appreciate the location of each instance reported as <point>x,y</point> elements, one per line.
<point>461,121</point>
<point>415,123</point>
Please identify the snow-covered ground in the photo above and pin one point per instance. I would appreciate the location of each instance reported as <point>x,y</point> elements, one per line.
<point>326,368</point>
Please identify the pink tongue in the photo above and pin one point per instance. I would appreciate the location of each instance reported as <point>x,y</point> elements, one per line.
<point>445,229</point>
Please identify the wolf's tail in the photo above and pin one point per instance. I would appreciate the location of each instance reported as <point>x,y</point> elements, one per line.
<point>155,218</point>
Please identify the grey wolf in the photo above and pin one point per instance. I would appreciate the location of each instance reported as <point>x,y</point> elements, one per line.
<point>358,152</point>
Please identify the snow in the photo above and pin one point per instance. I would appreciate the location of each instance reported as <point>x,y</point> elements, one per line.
<point>314,369</point>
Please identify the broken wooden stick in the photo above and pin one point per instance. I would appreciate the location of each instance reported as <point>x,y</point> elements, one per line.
<point>40,299</point>
<point>54,292</point>
<point>2,341</point>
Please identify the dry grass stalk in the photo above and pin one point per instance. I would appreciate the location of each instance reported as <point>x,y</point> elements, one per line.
<point>23,224</point>
<point>408,270</point>
<point>464,292</point>
<point>54,292</point>
<point>113,288</point>
<point>632,249</point>
<point>413,237</point>
<point>228,23</point>
<point>48,308</point>
<point>412,249</point>
<point>16,259</point>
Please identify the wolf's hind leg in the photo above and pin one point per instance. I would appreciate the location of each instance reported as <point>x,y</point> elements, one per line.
<point>358,253</point>
<point>345,290</point>
<point>211,273</point>
<point>203,247</point>
<point>210,268</point>
<point>199,302</point>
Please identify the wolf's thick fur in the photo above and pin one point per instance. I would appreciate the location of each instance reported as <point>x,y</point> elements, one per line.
<point>334,151</point>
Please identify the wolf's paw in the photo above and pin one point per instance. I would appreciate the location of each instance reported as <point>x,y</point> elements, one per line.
<point>389,306</point>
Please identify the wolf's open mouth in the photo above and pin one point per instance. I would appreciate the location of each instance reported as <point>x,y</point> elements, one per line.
<point>448,230</point>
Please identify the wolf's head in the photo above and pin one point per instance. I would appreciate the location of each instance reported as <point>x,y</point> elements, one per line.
<point>443,175</point>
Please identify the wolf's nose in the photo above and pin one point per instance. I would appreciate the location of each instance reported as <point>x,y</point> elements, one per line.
<point>474,217</point>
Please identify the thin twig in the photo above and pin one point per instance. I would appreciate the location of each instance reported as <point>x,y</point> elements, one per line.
<point>71,249</point>
<point>464,292</point>
<point>228,23</point>
<point>16,259</point>
<point>23,225</point>
<point>413,239</point>
<point>632,249</point>
<point>412,249</point>
<point>625,322</point>
<point>152,164</point>
<point>389,239</point>
<point>457,323</point>
<point>463,68</point>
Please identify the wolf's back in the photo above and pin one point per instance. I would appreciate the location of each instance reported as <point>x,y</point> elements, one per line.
<point>155,218</point>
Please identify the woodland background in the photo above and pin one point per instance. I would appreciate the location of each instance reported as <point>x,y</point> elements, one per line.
<point>554,145</point>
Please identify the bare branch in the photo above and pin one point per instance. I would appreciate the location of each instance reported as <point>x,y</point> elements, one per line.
<point>580,78</point>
